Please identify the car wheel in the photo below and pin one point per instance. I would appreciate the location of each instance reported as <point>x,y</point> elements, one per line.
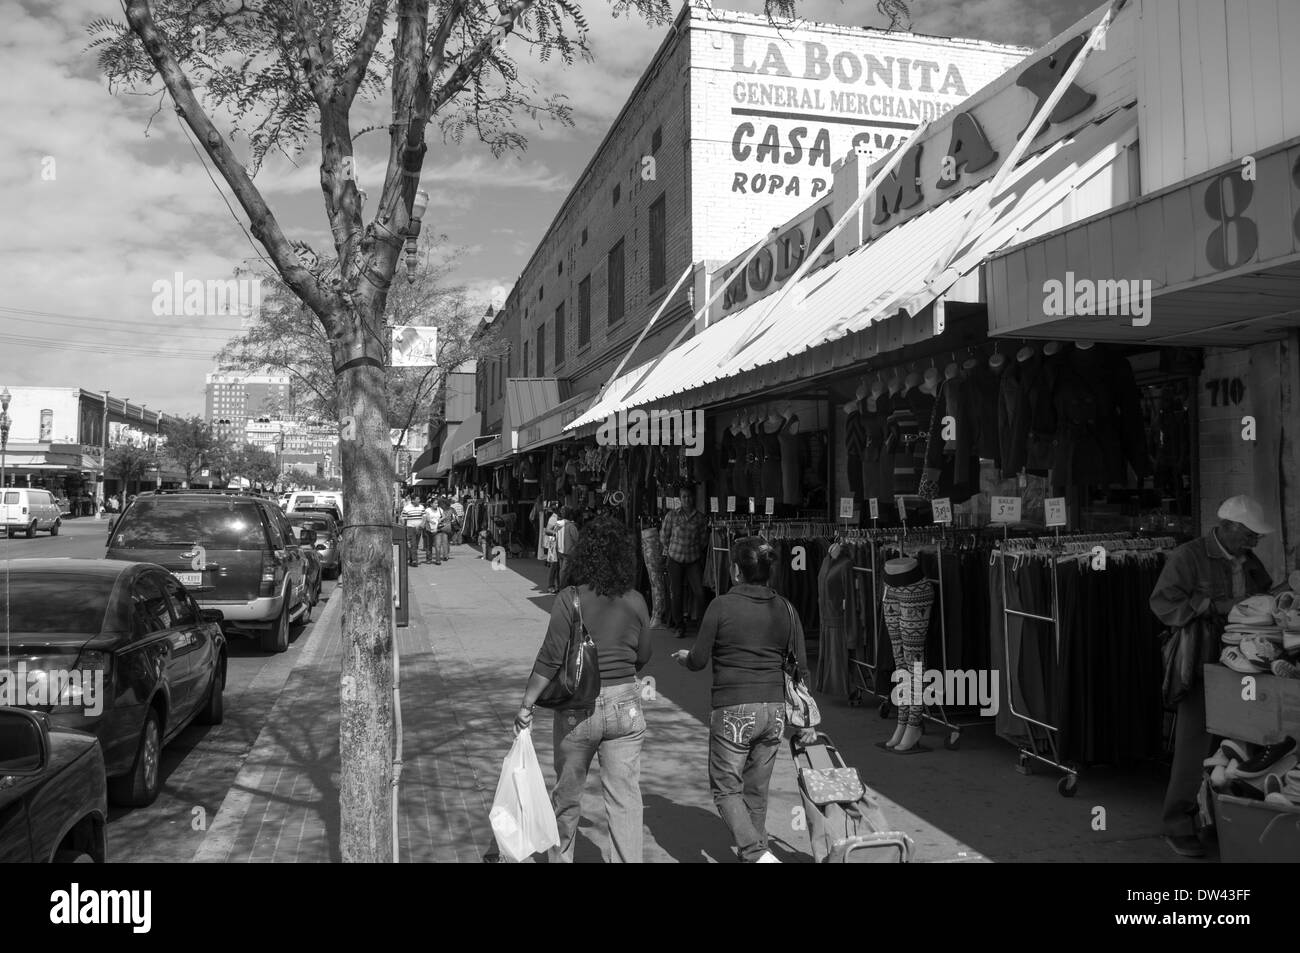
<point>31,530</point>
<point>72,857</point>
<point>54,530</point>
<point>214,709</point>
<point>139,787</point>
<point>276,638</point>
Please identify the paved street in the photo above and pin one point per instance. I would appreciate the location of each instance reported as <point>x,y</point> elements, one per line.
<point>200,765</point>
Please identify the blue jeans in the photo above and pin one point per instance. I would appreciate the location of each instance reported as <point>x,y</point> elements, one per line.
<point>743,742</point>
<point>614,727</point>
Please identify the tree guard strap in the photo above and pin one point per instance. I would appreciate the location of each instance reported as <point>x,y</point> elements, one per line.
<point>363,360</point>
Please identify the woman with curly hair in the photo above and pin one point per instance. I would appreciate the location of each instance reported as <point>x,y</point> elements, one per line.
<point>614,726</point>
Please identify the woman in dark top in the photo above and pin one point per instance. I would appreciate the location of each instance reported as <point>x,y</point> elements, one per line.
<point>619,622</point>
<point>746,634</point>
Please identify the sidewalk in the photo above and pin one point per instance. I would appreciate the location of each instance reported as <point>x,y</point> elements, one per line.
<point>464,660</point>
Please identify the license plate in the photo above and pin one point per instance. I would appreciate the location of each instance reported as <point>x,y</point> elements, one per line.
<point>189,578</point>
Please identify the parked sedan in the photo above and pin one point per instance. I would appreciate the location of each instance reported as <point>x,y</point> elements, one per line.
<point>53,804</point>
<point>115,648</point>
<point>328,538</point>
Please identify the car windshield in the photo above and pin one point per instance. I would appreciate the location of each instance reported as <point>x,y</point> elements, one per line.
<point>216,524</point>
<point>64,602</point>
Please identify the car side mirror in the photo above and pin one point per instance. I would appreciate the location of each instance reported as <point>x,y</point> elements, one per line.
<point>211,615</point>
<point>24,742</point>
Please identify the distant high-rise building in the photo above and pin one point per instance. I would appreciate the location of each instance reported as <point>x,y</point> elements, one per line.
<point>235,397</point>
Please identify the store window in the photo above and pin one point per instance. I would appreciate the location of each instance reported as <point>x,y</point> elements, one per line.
<point>559,335</point>
<point>658,242</point>
<point>584,311</point>
<point>614,281</point>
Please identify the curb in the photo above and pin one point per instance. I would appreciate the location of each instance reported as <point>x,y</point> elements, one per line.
<point>220,839</point>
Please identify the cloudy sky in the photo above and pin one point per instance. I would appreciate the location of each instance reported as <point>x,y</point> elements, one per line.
<point>103,196</point>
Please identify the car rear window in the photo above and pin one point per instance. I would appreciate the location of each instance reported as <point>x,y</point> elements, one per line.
<point>71,603</point>
<point>215,524</point>
<point>320,526</point>
<point>305,500</point>
<point>11,497</point>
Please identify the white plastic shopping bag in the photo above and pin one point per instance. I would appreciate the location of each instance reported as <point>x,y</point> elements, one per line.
<point>522,817</point>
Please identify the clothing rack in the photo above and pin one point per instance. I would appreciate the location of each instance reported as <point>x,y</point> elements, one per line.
<point>915,540</point>
<point>1048,750</point>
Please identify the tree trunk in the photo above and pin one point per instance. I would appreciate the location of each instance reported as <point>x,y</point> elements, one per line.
<point>366,684</point>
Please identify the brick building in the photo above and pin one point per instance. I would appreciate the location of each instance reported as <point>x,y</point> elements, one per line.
<point>732,127</point>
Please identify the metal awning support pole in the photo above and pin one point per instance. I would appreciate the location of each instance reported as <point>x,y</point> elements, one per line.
<point>944,275</point>
<point>644,331</point>
<point>895,157</point>
<point>681,332</point>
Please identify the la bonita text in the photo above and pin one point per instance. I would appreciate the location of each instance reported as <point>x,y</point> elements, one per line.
<point>1167,896</point>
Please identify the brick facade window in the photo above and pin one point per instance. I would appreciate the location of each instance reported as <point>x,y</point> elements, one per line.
<point>615,283</point>
<point>618,192</point>
<point>541,351</point>
<point>659,242</point>
<point>584,311</point>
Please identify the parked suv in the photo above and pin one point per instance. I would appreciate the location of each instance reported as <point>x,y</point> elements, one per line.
<point>232,552</point>
<point>25,510</point>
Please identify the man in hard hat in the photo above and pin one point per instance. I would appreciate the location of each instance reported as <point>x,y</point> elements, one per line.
<point>1205,579</point>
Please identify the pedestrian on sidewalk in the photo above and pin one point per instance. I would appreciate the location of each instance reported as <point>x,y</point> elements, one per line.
<point>618,620</point>
<point>549,549</point>
<point>1203,580</point>
<point>428,531</point>
<point>412,518</point>
<point>684,537</point>
<point>441,531</point>
<point>566,544</point>
<point>458,518</point>
<point>746,634</point>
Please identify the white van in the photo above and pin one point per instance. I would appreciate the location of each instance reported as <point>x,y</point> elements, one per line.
<point>26,510</point>
<point>309,498</point>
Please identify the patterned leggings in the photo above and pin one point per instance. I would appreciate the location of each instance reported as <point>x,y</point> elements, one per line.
<point>907,618</point>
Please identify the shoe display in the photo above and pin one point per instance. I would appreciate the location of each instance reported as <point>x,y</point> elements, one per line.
<point>1273,759</point>
<point>1258,650</point>
<point>1185,845</point>
<point>1233,659</point>
<point>1284,669</point>
<point>768,858</point>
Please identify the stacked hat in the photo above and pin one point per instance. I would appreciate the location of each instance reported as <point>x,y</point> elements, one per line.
<point>1286,614</point>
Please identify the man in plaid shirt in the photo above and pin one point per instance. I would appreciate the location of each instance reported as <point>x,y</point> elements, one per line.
<point>684,536</point>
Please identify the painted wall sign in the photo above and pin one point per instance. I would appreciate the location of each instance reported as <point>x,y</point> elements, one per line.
<point>774,109</point>
<point>958,154</point>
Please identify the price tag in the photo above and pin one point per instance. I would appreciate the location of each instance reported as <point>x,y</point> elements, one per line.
<point>713,504</point>
<point>902,509</point>
<point>731,504</point>
<point>1055,506</point>
<point>942,510</point>
<point>753,507</point>
<point>846,507</point>
<point>770,507</point>
<point>1006,509</point>
<point>873,508</point>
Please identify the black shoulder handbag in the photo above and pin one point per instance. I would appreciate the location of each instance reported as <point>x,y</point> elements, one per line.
<point>577,683</point>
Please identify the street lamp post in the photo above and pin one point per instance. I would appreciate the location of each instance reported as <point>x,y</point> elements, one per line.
<point>4,435</point>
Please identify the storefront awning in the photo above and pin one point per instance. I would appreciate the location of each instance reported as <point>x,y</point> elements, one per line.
<point>877,281</point>
<point>550,427</point>
<point>463,435</point>
<point>431,472</point>
<point>1196,281</point>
